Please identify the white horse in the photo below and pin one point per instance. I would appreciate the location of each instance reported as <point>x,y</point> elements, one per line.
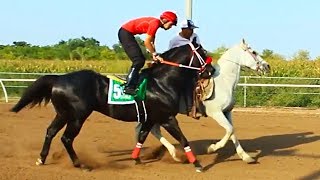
<point>220,103</point>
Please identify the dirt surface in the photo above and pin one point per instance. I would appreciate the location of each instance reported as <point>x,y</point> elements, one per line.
<point>285,143</point>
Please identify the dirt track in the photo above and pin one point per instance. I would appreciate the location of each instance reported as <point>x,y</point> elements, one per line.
<point>285,143</point>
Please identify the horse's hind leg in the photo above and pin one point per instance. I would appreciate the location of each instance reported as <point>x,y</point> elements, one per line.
<point>142,136</point>
<point>174,130</point>
<point>56,125</point>
<point>72,130</point>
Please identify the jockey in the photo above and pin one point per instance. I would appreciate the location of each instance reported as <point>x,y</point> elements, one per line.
<point>185,36</point>
<point>143,25</point>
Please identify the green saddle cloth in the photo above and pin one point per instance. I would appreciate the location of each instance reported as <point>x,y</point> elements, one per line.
<point>117,96</point>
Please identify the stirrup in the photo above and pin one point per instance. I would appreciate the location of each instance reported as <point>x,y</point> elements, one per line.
<point>130,91</point>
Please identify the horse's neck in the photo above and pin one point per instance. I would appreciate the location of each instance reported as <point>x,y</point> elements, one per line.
<point>171,78</point>
<point>168,77</point>
<point>228,71</point>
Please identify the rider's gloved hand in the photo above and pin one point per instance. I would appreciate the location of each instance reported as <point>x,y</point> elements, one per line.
<point>156,56</point>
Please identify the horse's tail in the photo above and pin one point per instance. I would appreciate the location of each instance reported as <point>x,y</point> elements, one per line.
<point>37,92</point>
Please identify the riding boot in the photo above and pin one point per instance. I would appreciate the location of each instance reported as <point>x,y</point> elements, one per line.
<point>193,110</point>
<point>194,107</point>
<point>132,82</point>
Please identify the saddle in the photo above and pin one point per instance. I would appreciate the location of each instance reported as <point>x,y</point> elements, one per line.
<point>117,97</point>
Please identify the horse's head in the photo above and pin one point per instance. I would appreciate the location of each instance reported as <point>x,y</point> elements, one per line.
<point>190,56</point>
<point>246,56</point>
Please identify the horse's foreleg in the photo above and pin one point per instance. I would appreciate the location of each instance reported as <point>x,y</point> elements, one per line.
<point>225,120</point>
<point>173,128</point>
<point>56,125</point>
<point>240,151</point>
<point>156,132</point>
<point>222,121</point>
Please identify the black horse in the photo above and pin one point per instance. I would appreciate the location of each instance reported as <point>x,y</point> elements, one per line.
<point>76,95</point>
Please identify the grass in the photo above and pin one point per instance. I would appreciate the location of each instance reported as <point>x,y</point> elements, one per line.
<point>59,66</point>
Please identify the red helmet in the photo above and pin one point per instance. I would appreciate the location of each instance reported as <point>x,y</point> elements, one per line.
<point>170,16</point>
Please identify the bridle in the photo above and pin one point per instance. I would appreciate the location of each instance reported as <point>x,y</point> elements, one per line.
<point>253,54</point>
<point>203,63</point>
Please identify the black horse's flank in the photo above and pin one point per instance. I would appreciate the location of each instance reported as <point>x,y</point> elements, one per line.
<point>75,95</point>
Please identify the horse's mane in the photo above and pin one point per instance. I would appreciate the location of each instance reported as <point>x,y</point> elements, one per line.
<point>167,55</point>
<point>171,52</point>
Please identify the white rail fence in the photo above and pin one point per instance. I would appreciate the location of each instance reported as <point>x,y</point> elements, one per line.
<point>246,78</point>
<point>245,85</point>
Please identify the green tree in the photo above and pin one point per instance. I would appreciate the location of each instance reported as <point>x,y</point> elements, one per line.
<point>266,53</point>
<point>121,53</point>
<point>118,48</point>
<point>303,55</point>
<point>107,53</point>
<point>217,53</point>
<point>20,43</point>
<point>81,48</point>
<point>146,54</point>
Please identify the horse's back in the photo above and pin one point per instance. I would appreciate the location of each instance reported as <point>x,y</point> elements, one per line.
<point>223,95</point>
<point>83,87</point>
<point>82,75</point>
<point>80,79</point>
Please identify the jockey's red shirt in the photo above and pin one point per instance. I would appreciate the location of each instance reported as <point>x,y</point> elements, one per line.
<point>144,25</point>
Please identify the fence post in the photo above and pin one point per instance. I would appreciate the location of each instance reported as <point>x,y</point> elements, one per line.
<point>4,91</point>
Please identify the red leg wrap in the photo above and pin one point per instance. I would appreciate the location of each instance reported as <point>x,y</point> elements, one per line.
<point>136,151</point>
<point>189,154</point>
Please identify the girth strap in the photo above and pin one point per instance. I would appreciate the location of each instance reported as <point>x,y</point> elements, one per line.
<point>141,111</point>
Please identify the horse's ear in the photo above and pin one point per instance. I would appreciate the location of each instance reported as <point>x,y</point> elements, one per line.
<point>194,41</point>
<point>243,41</point>
<point>243,44</point>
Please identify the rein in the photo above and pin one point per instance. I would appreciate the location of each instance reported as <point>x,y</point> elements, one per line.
<point>179,65</point>
<point>194,52</point>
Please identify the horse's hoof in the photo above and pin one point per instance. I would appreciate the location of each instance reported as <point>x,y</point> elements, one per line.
<point>250,160</point>
<point>174,157</point>
<point>85,168</point>
<point>77,164</point>
<point>81,166</point>
<point>39,162</point>
<point>199,169</point>
<point>198,166</point>
<point>177,159</point>
<point>137,161</point>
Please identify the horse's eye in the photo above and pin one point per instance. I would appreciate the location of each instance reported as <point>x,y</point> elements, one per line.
<point>254,52</point>
<point>205,51</point>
